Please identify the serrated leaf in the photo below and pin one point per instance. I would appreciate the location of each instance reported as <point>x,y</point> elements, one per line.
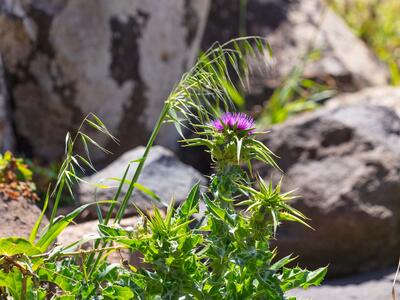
<point>191,203</point>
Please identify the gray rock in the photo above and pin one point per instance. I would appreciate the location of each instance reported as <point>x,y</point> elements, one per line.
<point>382,95</point>
<point>6,132</point>
<point>369,286</point>
<point>294,28</point>
<point>118,59</point>
<point>163,173</point>
<point>345,165</point>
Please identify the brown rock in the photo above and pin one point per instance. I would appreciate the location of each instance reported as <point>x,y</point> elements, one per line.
<point>18,217</point>
<point>79,231</point>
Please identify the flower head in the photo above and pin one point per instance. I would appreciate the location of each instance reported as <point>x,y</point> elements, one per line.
<point>238,121</point>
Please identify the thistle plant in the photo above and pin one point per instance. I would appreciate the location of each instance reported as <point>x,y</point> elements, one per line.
<point>239,239</point>
<point>224,253</point>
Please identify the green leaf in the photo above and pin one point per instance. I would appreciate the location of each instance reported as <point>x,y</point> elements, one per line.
<point>116,292</point>
<point>282,262</point>
<point>15,245</point>
<point>239,143</point>
<point>64,274</point>
<point>110,268</point>
<point>297,277</point>
<point>217,211</point>
<point>94,143</point>
<point>285,216</point>
<point>60,224</point>
<point>316,277</point>
<point>145,190</point>
<point>13,282</point>
<point>112,231</point>
<point>35,228</point>
<point>190,206</point>
<point>177,123</point>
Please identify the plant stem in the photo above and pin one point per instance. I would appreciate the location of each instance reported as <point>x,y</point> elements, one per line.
<point>131,187</point>
<point>80,252</point>
<point>112,206</point>
<point>56,202</point>
<point>140,166</point>
<point>105,222</point>
<point>23,290</point>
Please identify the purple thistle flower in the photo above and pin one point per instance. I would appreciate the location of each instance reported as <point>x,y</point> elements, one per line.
<point>239,121</point>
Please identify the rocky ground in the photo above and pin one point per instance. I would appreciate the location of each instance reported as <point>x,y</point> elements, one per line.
<point>368,286</point>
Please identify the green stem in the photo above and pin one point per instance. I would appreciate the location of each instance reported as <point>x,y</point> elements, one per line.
<point>139,169</point>
<point>105,222</point>
<point>131,187</point>
<point>56,202</point>
<point>80,252</point>
<point>112,206</point>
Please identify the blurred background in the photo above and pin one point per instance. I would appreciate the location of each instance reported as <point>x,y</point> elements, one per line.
<point>328,95</point>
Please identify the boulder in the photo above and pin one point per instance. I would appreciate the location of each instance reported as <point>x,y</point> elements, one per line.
<point>117,59</point>
<point>18,217</point>
<point>388,96</point>
<point>345,165</point>
<point>163,174</point>
<point>6,132</point>
<point>294,29</point>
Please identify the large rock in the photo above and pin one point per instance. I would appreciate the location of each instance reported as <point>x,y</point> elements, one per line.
<point>388,96</point>
<point>345,163</point>
<point>6,132</point>
<point>18,217</point>
<point>118,59</point>
<point>294,29</point>
<point>163,174</point>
